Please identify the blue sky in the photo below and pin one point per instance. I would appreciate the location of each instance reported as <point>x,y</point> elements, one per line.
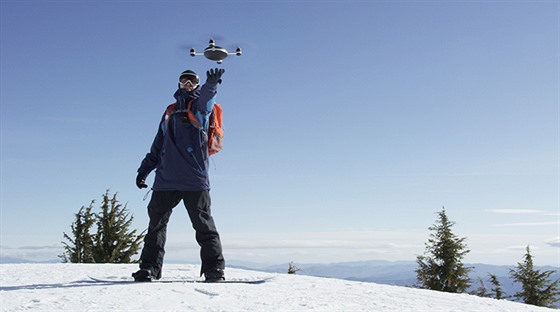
<point>349,124</point>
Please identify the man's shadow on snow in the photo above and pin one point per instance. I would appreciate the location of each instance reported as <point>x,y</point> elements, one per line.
<point>75,284</point>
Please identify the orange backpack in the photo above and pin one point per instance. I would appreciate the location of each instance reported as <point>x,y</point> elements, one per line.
<point>215,132</point>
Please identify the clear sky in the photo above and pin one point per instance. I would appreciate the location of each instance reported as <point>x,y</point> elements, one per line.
<point>349,124</point>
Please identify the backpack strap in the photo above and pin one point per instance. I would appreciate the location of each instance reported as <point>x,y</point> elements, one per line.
<point>192,118</point>
<point>171,109</point>
<point>168,112</point>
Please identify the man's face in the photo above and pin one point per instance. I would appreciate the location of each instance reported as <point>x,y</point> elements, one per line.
<point>188,82</point>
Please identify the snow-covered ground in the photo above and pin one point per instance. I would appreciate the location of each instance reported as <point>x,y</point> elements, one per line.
<point>66,287</point>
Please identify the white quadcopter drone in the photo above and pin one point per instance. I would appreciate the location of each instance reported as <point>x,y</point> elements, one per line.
<point>215,53</point>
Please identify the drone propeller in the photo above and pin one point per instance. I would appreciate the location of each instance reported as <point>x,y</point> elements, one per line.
<point>195,42</point>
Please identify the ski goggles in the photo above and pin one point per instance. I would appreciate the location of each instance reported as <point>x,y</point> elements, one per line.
<point>191,80</point>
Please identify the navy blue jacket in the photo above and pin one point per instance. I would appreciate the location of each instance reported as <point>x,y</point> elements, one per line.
<point>179,153</point>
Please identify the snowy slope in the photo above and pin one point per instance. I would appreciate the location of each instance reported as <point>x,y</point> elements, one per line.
<point>66,287</point>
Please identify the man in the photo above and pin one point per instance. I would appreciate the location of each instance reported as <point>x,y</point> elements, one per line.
<point>179,154</point>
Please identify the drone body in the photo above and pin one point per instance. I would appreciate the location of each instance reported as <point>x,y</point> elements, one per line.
<point>215,53</point>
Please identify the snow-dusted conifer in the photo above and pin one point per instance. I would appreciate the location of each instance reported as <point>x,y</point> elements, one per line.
<point>441,267</point>
<point>79,249</point>
<point>537,289</point>
<point>114,242</point>
<point>292,269</point>
<point>496,287</point>
<point>481,291</point>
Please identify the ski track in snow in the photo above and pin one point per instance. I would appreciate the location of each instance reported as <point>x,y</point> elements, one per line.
<point>66,287</point>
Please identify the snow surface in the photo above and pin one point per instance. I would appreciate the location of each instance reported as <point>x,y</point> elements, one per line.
<point>66,287</point>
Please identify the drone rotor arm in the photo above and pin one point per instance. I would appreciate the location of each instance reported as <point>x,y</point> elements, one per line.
<point>237,52</point>
<point>194,53</point>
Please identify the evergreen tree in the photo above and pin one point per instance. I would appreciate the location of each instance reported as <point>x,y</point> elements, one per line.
<point>496,287</point>
<point>536,289</point>
<point>481,291</point>
<point>80,249</point>
<point>114,243</point>
<point>292,269</point>
<point>441,267</point>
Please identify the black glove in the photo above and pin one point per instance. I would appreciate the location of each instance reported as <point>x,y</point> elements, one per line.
<point>214,75</point>
<point>141,180</point>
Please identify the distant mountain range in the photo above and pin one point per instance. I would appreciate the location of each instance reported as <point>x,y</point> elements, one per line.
<point>7,260</point>
<point>399,273</point>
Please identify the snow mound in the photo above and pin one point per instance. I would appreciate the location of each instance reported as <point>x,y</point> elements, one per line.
<point>67,287</point>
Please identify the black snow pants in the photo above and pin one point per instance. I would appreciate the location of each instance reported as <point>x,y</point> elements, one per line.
<point>198,207</point>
